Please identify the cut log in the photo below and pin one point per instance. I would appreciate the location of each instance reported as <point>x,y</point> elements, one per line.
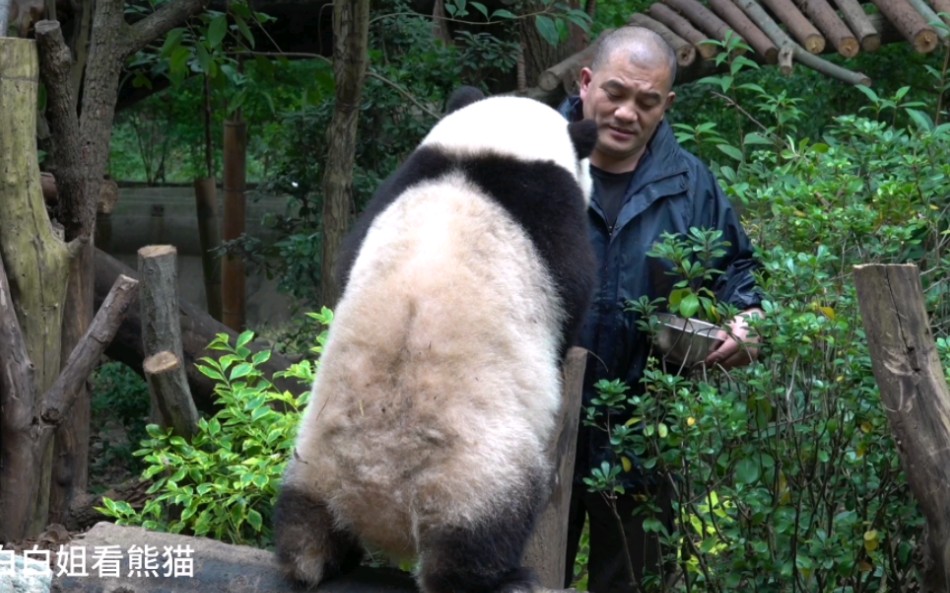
<point>835,29</point>
<point>801,28</point>
<point>565,73</point>
<point>684,29</point>
<point>915,397</point>
<point>853,14</point>
<point>197,330</point>
<point>161,332</point>
<point>778,36</point>
<point>684,50</point>
<point>702,17</point>
<point>930,17</point>
<point>746,29</point>
<point>910,23</point>
<point>233,293</point>
<point>942,6</point>
<point>169,389</point>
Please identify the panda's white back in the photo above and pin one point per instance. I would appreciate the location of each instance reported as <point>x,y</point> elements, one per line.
<point>436,387</point>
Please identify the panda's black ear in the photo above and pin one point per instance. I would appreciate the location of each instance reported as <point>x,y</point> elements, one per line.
<point>461,97</point>
<point>584,136</point>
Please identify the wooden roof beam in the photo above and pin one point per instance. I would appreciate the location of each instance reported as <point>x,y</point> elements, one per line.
<point>712,25</point>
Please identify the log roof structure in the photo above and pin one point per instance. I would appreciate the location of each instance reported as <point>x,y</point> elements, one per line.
<point>779,32</point>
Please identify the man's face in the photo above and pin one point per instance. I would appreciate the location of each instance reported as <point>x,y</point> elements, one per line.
<point>627,99</point>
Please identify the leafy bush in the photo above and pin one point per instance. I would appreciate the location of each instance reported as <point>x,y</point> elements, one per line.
<point>786,476</point>
<point>120,395</point>
<point>224,483</point>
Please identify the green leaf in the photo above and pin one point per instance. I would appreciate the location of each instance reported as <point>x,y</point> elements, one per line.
<point>730,151</point>
<point>689,305</point>
<point>501,13</point>
<point>244,29</point>
<point>747,471</point>
<point>921,119</point>
<point>217,29</point>
<point>546,29</point>
<point>255,519</point>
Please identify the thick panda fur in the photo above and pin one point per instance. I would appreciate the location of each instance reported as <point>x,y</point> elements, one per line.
<point>436,397</point>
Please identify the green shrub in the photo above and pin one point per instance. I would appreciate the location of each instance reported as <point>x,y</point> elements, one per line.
<point>223,484</point>
<point>786,475</point>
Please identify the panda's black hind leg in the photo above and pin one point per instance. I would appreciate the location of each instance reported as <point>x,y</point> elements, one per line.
<point>309,548</point>
<point>484,557</point>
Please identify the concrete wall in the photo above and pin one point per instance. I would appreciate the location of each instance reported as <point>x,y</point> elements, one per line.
<point>167,216</point>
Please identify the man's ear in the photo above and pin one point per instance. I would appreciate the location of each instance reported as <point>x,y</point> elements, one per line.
<point>670,97</point>
<point>586,76</point>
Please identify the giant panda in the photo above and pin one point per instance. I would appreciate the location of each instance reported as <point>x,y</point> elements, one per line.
<point>464,283</point>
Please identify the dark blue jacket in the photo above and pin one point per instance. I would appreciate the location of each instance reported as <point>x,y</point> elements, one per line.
<point>671,190</point>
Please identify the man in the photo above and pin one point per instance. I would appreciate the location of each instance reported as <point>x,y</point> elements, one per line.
<point>645,184</point>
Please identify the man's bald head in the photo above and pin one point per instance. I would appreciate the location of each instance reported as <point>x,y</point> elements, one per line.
<point>642,46</point>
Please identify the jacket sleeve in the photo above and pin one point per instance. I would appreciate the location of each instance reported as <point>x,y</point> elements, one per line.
<point>736,285</point>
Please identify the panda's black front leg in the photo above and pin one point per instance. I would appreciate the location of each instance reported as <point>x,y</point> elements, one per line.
<point>309,548</point>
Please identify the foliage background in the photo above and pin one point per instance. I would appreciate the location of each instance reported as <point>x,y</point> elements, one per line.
<point>787,477</point>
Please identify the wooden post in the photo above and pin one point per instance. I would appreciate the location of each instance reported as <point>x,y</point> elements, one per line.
<point>161,333</point>
<point>915,397</point>
<point>548,546</point>
<point>232,266</point>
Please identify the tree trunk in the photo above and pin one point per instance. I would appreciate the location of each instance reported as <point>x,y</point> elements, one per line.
<point>232,265</point>
<point>36,264</point>
<point>51,320</point>
<point>350,59</point>
<point>915,397</point>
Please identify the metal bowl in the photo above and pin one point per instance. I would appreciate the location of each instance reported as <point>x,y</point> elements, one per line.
<point>685,342</point>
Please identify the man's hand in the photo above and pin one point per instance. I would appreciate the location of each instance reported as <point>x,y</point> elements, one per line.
<point>738,347</point>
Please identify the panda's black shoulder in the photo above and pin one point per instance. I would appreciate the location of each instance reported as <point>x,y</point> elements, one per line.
<point>423,164</point>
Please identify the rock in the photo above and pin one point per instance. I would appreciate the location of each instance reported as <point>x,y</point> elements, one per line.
<point>113,559</point>
<point>28,575</point>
